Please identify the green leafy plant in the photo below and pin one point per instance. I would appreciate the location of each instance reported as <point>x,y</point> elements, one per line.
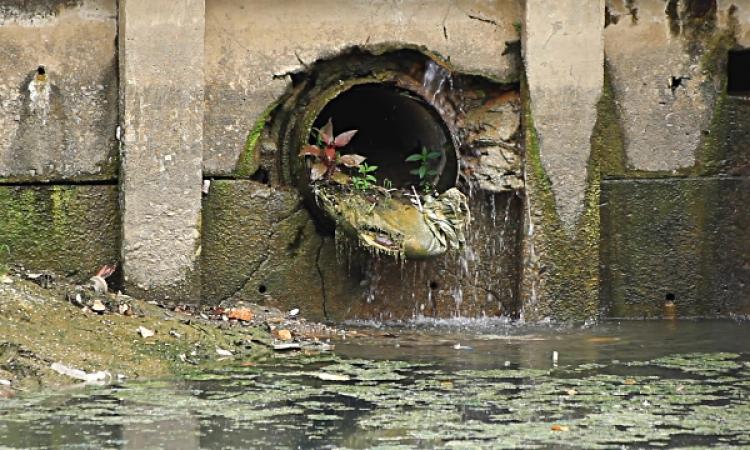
<point>326,153</point>
<point>365,179</point>
<point>425,171</point>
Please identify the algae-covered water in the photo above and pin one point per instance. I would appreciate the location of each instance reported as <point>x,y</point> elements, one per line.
<point>657,384</point>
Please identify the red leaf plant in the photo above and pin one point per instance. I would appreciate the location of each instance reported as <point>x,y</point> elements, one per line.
<point>328,158</point>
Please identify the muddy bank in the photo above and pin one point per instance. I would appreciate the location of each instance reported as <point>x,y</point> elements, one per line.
<point>41,326</point>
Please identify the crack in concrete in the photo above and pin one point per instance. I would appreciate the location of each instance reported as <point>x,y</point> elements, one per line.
<point>322,278</point>
<point>483,19</point>
<point>267,255</point>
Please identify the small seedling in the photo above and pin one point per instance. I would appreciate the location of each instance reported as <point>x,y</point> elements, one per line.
<point>365,179</point>
<point>425,171</point>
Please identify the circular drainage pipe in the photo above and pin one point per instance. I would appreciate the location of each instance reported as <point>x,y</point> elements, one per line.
<point>393,122</point>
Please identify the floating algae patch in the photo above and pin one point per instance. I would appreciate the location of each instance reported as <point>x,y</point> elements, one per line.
<point>678,400</point>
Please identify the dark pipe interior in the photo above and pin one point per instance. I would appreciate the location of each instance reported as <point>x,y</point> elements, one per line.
<point>392,125</point>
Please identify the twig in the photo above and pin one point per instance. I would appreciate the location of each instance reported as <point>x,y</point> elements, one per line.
<point>416,196</point>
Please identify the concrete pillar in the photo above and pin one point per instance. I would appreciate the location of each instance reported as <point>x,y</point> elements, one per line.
<point>564,56</point>
<point>161,90</point>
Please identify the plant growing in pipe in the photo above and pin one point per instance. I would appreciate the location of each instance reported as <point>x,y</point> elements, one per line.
<point>425,171</point>
<point>366,179</point>
<point>327,157</point>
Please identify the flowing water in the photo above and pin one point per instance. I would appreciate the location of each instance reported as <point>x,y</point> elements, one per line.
<point>456,384</point>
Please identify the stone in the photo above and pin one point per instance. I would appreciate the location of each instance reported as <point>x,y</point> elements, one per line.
<point>498,170</point>
<point>495,124</point>
<point>161,50</point>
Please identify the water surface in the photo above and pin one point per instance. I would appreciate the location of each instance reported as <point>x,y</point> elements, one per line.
<point>655,384</point>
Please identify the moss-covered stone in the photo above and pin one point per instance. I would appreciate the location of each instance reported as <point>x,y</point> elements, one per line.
<point>249,160</point>
<point>261,245</point>
<point>561,269</point>
<point>680,240</point>
<point>70,229</point>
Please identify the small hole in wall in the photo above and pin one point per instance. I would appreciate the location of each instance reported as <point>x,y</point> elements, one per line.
<point>261,176</point>
<point>434,285</point>
<point>40,70</point>
<point>669,297</point>
<point>262,289</point>
<point>738,72</point>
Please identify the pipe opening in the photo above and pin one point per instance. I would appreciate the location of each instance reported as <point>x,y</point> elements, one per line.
<point>393,123</point>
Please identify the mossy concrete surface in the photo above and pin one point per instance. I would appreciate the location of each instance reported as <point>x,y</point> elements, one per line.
<point>560,266</point>
<point>261,245</point>
<point>69,229</point>
<point>680,240</point>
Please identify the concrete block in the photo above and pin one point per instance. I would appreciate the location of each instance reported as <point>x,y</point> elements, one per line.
<point>680,240</point>
<point>161,66</point>
<point>58,90</point>
<point>564,55</point>
<point>250,46</point>
<point>664,90</point>
<point>73,230</point>
<point>261,245</point>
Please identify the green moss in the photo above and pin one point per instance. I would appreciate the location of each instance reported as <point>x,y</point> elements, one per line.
<point>70,229</point>
<point>716,46</point>
<point>249,160</point>
<point>569,290</point>
<point>609,135</point>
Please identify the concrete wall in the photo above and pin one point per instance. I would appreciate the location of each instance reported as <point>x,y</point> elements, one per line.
<point>60,125</point>
<point>632,150</point>
<point>676,171</point>
<point>251,46</point>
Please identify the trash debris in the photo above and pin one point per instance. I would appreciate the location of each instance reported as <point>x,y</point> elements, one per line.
<point>284,335</point>
<point>560,428</point>
<point>98,306</point>
<point>206,186</point>
<point>99,284</point>
<point>554,358</point>
<point>294,312</point>
<point>78,374</point>
<point>4,382</point>
<point>242,314</point>
<point>43,279</point>
<point>326,376</point>
<point>145,332</point>
<point>106,270</point>
<point>222,352</point>
<point>286,346</point>
<point>458,346</point>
